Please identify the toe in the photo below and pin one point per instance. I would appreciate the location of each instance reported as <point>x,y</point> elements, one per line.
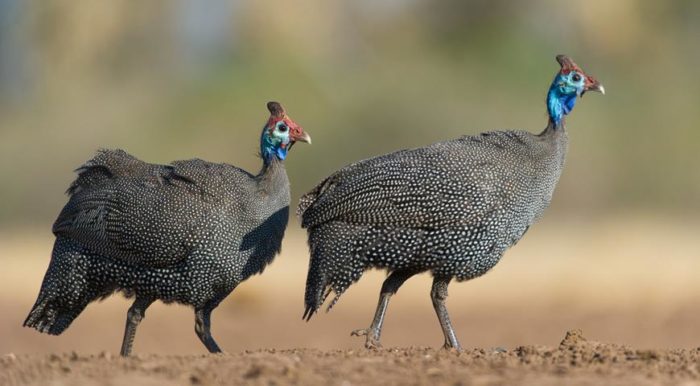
<point>361,332</point>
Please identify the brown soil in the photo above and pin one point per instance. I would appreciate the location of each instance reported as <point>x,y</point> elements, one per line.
<point>576,361</point>
<point>614,280</point>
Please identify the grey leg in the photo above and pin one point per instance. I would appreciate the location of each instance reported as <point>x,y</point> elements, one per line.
<point>391,286</point>
<point>438,294</point>
<point>134,316</point>
<point>202,326</point>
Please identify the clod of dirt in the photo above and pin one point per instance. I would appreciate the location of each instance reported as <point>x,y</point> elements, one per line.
<point>572,339</point>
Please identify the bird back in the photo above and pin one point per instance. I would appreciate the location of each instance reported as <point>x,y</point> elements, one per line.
<point>152,215</point>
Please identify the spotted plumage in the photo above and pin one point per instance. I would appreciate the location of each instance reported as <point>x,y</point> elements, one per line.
<point>451,208</point>
<point>188,232</point>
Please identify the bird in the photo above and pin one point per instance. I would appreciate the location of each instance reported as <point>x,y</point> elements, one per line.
<point>451,208</point>
<point>188,232</point>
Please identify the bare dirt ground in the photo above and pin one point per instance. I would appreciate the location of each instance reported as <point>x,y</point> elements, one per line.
<point>576,361</point>
<point>615,280</point>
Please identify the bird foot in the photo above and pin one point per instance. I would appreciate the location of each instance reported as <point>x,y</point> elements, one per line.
<point>372,340</point>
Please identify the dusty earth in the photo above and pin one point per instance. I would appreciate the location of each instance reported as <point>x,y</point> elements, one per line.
<point>613,280</point>
<point>576,361</point>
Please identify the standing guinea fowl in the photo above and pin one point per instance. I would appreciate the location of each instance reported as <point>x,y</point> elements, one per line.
<point>451,208</point>
<point>188,232</point>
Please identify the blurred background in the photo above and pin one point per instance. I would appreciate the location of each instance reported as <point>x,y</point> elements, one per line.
<point>617,253</point>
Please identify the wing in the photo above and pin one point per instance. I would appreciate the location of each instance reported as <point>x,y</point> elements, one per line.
<point>145,214</point>
<point>430,188</point>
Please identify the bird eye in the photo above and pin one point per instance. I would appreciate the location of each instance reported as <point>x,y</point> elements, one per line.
<point>282,127</point>
<point>576,77</point>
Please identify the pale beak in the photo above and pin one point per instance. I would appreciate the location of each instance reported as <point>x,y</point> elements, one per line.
<point>597,87</point>
<point>304,137</point>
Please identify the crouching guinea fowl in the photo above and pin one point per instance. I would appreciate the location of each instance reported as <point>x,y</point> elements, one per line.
<point>188,232</point>
<point>451,208</point>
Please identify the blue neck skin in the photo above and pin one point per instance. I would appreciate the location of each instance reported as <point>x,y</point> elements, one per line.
<point>271,149</point>
<point>559,102</point>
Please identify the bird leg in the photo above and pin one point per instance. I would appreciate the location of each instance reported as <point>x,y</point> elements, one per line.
<point>389,287</point>
<point>202,326</point>
<point>438,294</point>
<point>134,316</point>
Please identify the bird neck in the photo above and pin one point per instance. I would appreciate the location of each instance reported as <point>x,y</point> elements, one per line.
<point>554,135</point>
<point>553,128</point>
<point>273,176</point>
<point>558,106</point>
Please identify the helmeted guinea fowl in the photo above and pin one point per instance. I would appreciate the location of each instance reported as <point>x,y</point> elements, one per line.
<point>188,232</point>
<point>451,208</point>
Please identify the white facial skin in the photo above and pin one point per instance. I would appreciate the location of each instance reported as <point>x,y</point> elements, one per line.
<point>280,133</point>
<point>572,83</point>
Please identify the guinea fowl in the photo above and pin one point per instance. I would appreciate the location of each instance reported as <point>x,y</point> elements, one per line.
<point>451,208</point>
<point>188,232</point>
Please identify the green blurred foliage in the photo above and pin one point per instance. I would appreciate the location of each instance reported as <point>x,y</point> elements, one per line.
<point>178,79</point>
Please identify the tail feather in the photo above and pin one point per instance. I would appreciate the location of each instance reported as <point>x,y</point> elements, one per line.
<point>66,290</point>
<point>317,290</point>
<point>336,263</point>
<point>48,318</point>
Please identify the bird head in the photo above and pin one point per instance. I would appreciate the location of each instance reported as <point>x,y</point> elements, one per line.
<point>569,83</point>
<point>280,133</point>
